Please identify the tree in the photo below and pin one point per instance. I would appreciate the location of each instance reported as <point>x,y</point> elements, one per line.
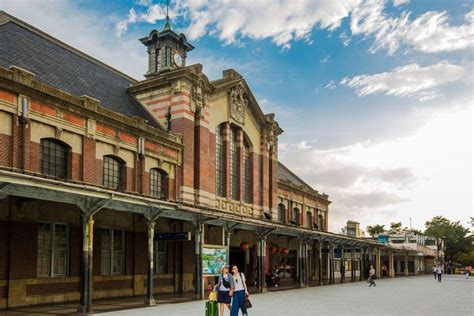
<point>375,230</point>
<point>455,236</point>
<point>396,228</point>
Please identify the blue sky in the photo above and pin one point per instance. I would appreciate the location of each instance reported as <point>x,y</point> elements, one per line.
<point>375,96</point>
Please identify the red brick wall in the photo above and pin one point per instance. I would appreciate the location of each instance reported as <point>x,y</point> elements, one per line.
<point>35,161</point>
<point>76,167</point>
<point>141,253</point>
<point>212,163</point>
<point>24,250</point>
<point>4,249</point>
<point>89,163</point>
<point>45,289</point>
<point>17,156</point>
<point>185,127</point>
<point>6,152</point>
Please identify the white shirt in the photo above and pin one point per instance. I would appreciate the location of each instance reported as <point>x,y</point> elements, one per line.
<point>239,281</point>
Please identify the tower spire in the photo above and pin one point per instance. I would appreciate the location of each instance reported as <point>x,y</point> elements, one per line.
<point>167,23</point>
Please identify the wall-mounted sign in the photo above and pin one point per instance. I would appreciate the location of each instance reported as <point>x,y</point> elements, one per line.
<point>173,236</point>
<point>213,257</point>
<point>382,239</point>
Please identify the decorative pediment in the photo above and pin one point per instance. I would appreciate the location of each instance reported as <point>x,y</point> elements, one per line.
<point>238,102</point>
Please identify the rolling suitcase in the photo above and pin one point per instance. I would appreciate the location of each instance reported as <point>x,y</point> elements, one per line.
<point>211,308</point>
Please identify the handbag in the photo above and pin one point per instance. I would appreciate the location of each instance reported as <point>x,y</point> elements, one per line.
<point>213,296</point>
<point>247,303</point>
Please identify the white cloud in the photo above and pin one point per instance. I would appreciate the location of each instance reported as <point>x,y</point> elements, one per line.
<point>331,85</point>
<point>400,2</point>
<point>325,60</point>
<point>346,40</point>
<point>428,33</point>
<point>421,175</point>
<point>408,81</point>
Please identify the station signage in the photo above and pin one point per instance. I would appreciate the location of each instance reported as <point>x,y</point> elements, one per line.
<point>178,236</point>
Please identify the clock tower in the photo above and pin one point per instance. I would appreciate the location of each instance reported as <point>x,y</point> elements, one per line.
<point>166,50</point>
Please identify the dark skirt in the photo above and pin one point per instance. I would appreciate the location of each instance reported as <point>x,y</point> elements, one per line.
<point>223,297</point>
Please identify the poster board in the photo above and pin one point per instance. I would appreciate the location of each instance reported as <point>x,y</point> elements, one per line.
<point>213,257</point>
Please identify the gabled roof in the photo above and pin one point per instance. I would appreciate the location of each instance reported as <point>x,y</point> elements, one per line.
<point>61,66</point>
<point>287,175</point>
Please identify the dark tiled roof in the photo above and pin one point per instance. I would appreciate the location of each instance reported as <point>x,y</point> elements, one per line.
<point>286,174</point>
<point>60,66</point>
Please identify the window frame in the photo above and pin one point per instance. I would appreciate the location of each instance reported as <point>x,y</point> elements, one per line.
<point>53,163</point>
<point>159,175</point>
<point>282,213</point>
<point>246,174</point>
<point>233,164</point>
<point>52,250</point>
<point>220,162</point>
<point>157,254</point>
<point>121,173</point>
<point>111,251</point>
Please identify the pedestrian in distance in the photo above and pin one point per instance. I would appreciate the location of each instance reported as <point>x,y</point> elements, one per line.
<point>371,278</point>
<point>439,272</point>
<point>225,289</point>
<point>384,271</point>
<point>434,271</point>
<point>240,293</point>
<point>276,276</point>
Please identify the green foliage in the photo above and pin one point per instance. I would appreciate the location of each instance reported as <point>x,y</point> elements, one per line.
<point>396,228</point>
<point>375,230</point>
<point>456,240</point>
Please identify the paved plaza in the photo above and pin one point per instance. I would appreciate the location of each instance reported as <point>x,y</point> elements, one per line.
<point>420,295</point>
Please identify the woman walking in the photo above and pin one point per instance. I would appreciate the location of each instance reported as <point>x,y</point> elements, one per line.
<point>371,276</point>
<point>225,289</point>
<point>240,292</point>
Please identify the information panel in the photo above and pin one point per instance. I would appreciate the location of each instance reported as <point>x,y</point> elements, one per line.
<point>213,257</point>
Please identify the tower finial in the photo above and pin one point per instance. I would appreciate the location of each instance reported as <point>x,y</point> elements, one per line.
<point>167,23</point>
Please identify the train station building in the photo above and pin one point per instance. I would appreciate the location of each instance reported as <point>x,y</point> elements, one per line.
<point>113,187</point>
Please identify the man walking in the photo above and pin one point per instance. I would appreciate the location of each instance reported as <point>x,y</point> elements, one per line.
<point>434,271</point>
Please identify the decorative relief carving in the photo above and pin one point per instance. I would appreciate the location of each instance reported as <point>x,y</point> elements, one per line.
<point>198,97</point>
<point>232,206</point>
<point>91,128</point>
<point>238,104</point>
<point>58,132</point>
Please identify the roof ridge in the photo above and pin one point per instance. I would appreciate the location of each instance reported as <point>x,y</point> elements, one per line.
<point>5,18</point>
<point>293,174</point>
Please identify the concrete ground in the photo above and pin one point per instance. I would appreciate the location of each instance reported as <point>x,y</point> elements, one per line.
<point>420,295</point>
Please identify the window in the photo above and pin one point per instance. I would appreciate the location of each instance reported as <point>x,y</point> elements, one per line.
<point>309,220</point>
<point>54,158</point>
<point>113,173</point>
<point>281,213</point>
<point>296,216</point>
<point>220,162</point>
<point>246,173</point>
<point>112,246</point>
<point>233,164</point>
<point>53,249</point>
<point>161,256</point>
<point>158,180</point>
<point>321,222</point>
<point>167,56</point>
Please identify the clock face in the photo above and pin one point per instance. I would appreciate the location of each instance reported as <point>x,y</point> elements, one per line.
<point>177,59</point>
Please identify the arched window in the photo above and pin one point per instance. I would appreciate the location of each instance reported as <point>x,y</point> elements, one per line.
<point>234,180</point>
<point>309,220</point>
<point>55,158</point>
<point>296,216</point>
<point>281,213</point>
<point>158,181</point>
<point>220,161</point>
<point>246,173</point>
<point>114,172</point>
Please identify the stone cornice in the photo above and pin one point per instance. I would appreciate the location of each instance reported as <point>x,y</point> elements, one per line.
<point>23,82</point>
